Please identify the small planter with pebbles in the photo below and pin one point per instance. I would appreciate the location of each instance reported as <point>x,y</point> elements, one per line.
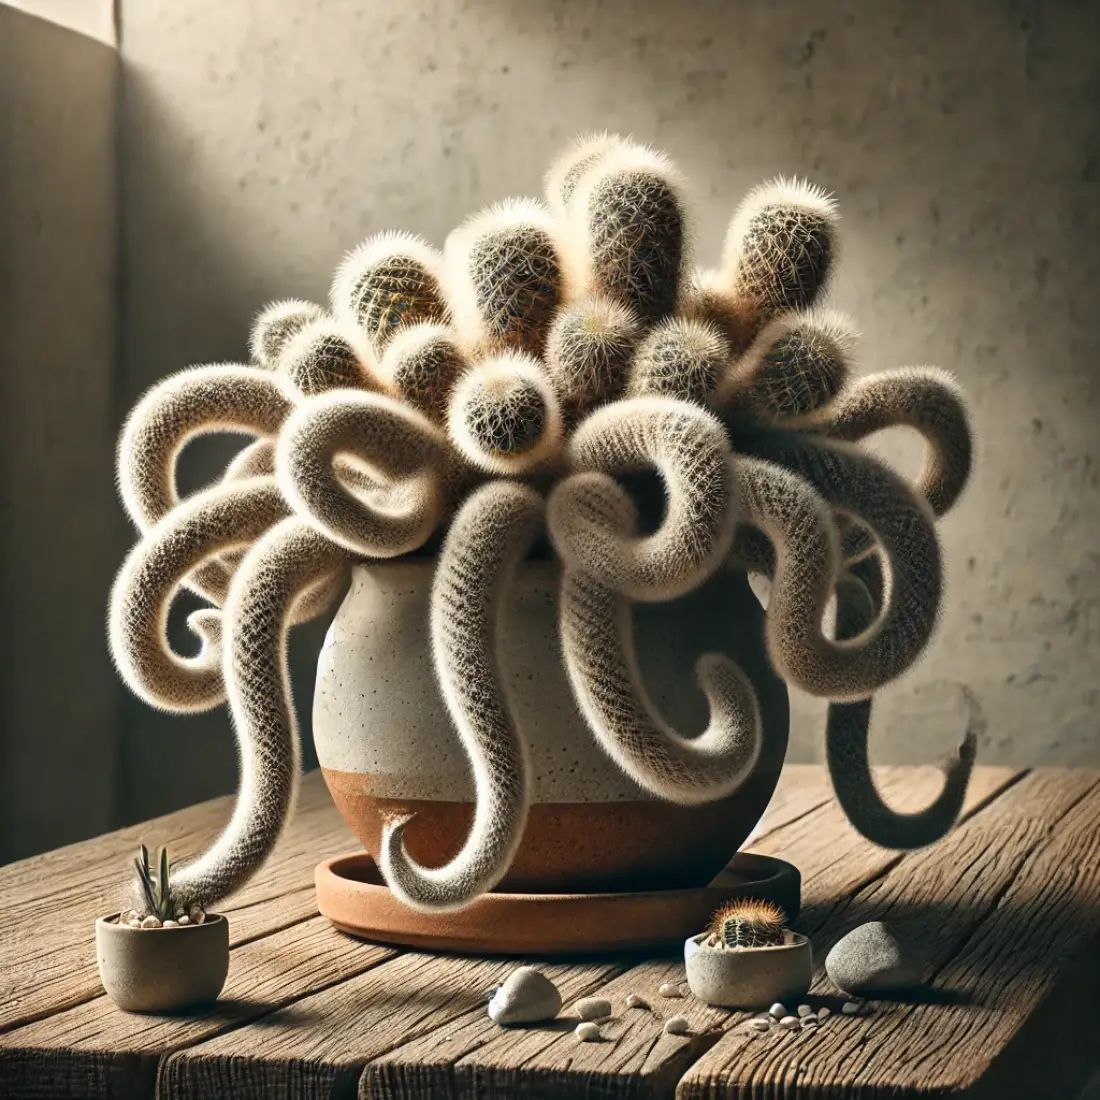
<point>748,958</point>
<point>157,957</point>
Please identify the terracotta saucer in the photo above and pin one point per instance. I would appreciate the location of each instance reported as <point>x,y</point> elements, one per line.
<point>350,892</point>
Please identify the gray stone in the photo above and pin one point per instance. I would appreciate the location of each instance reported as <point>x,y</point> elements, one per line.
<point>526,997</point>
<point>677,1025</point>
<point>872,959</point>
<point>593,1008</point>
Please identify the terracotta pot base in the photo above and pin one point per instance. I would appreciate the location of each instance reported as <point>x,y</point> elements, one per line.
<point>351,894</point>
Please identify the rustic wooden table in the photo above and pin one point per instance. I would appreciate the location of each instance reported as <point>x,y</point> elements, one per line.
<point>1007,910</point>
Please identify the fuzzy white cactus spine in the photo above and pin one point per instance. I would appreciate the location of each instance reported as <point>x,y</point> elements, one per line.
<point>781,247</point>
<point>217,519</point>
<point>504,416</point>
<point>326,355</point>
<point>582,155</point>
<point>390,281</point>
<point>847,748</point>
<point>488,537</point>
<point>401,502</point>
<point>276,324</point>
<point>626,232</point>
<point>597,637</point>
<point>589,353</point>
<point>504,278</point>
<point>586,512</point>
<point>798,520</point>
<point>680,358</point>
<point>930,401</point>
<point>289,560</point>
<point>224,397</point>
<point>795,368</point>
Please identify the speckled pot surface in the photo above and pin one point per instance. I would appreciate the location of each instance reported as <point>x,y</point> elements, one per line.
<point>386,744</point>
<point>755,977</point>
<point>162,969</point>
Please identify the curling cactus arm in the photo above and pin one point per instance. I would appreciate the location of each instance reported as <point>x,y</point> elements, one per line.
<point>930,401</point>
<point>847,750</point>
<point>688,447</point>
<point>798,520</point>
<point>286,562</point>
<point>276,324</point>
<point>220,398</point>
<point>598,649</point>
<point>214,520</point>
<point>793,370</point>
<point>391,511</point>
<point>488,537</point>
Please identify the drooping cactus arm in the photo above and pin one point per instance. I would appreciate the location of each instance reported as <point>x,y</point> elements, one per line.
<point>847,749</point>
<point>217,519</point>
<point>220,398</point>
<point>487,538</point>
<point>688,447</point>
<point>798,520</point>
<point>288,560</point>
<point>598,647</point>
<point>926,399</point>
<point>401,449</point>
<point>276,324</point>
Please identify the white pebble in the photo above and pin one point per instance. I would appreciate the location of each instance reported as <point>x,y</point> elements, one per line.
<point>677,1025</point>
<point>805,1010</point>
<point>593,1008</point>
<point>810,1023</point>
<point>778,1011</point>
<point>670,990</point>
<point>789,1022</point>
<point>761,1023</point>
<point>823,1012</point>
<point>171,924</point>
<point>197,915</point>
<point>183,919</point>
<point>134,922</point>
<point>634,1001</point>
<point>151,922</point>
<point>587,1031</point>
<point>850,1008</point>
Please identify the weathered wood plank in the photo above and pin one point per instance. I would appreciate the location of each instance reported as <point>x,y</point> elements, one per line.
<point>49,964</point>
<point>993,907</point>
<point>318,1046</point>
<point>95,1050</point>
<point>636,1058</point>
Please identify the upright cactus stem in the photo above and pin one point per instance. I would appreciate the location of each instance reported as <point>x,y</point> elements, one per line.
<point>745,923</point>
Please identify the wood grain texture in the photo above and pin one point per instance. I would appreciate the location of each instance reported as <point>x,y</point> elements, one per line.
<point>637,1058</point>
<point>992,908</point>
<point>49,965</point>
<point>94,1049</point>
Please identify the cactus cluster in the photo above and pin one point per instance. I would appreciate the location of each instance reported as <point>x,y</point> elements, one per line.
<point>511,385</point>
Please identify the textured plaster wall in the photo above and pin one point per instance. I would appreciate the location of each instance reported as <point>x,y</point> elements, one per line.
<point>261,140</point>
<point>60,532</point>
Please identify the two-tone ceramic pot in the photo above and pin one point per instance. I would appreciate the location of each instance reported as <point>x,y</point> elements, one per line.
<point>387,746</point>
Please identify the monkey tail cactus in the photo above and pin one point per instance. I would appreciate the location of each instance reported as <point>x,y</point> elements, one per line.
<point>552,357</point>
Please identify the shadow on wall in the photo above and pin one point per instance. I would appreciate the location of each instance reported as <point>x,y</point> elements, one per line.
<point>963,142</point>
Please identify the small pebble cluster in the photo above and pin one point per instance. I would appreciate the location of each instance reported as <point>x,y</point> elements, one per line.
<point>807,1018</point>
<point>135,920</point>
<point>529,997</point>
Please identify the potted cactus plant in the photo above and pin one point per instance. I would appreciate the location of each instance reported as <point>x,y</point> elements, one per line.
<point>156,956</point>
<point>540,465</point>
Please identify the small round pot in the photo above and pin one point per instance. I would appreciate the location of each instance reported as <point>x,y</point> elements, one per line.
<point>754,977</point>
<point>162,969</point>
<point>387,746</point>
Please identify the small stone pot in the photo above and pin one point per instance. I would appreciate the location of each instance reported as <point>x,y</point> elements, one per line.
<point>754,977</point>
<point>162,970</point>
